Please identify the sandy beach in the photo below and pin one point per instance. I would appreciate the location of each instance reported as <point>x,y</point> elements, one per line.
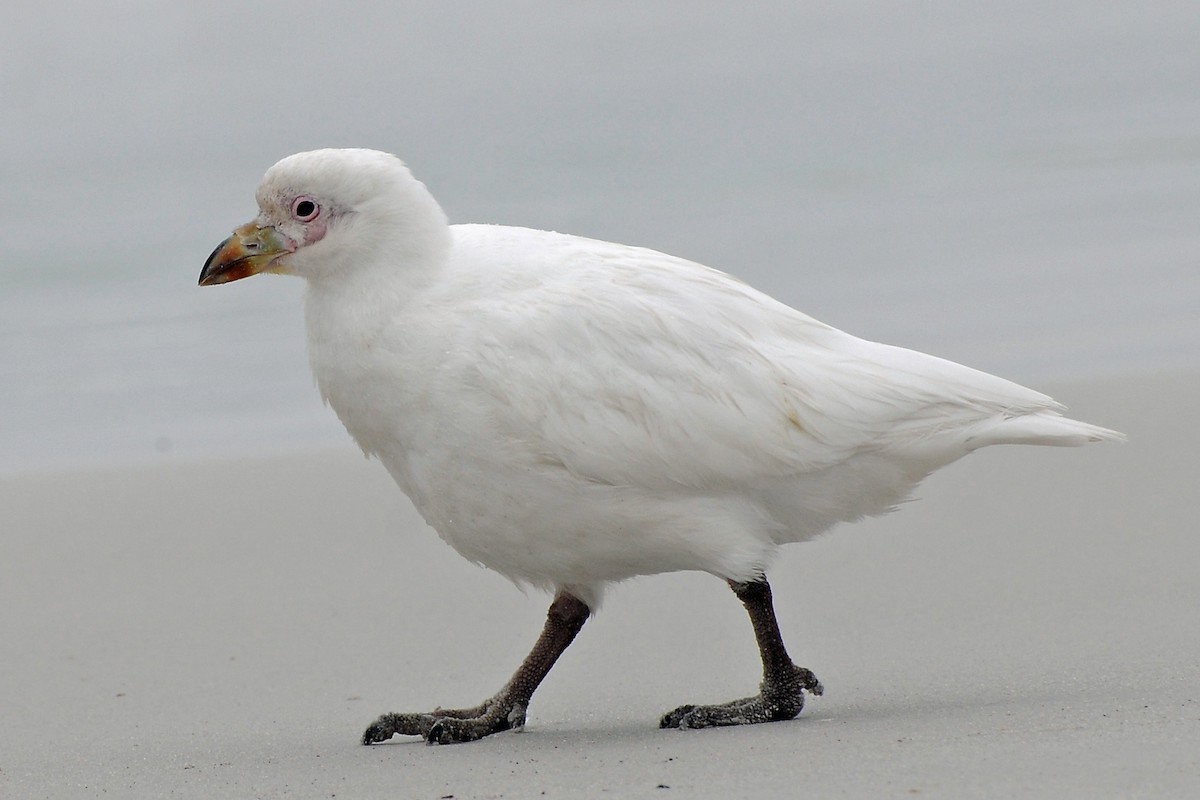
<point>1028,627</point>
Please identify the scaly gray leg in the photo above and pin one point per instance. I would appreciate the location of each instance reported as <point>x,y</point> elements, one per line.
<point>781,693</point>
<point>507,709</point>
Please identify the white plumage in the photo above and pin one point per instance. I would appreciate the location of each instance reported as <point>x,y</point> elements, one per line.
<point>571,412</point>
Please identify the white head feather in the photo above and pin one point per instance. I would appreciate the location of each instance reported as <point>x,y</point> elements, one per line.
<point>368,205</point>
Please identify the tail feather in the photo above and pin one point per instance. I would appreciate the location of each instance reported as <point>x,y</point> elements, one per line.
<point>1044,428</point>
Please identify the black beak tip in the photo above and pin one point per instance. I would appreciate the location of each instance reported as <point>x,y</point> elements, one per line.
<point>211,270</point>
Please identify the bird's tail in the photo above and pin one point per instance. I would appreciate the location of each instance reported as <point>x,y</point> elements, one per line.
<point>1044,428</point>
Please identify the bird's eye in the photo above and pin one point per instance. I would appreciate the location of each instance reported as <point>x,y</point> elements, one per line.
<point>305,209</point>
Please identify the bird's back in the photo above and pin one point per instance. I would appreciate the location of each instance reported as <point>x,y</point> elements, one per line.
<point>692,370</point>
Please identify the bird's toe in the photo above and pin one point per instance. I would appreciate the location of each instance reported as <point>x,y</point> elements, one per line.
<point>452,730</point>
<point>809,682</point>
<point>672,719</point>
<point>388,725</point>
<point>376,733</point>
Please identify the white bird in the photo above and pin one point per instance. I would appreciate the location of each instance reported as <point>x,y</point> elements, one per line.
<point>571,412</point>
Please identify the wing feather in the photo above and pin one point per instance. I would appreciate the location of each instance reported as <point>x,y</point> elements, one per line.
<point>631,367</point>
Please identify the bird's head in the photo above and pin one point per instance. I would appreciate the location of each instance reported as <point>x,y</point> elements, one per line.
<point>325,211</point>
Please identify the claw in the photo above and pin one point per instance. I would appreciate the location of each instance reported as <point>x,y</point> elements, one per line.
<point>436,733</point>
<point>672,719</point>
<point>375,734</point>
<point>810,683</point>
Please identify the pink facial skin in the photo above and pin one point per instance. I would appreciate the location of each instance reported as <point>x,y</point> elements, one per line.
<point>307,210</point>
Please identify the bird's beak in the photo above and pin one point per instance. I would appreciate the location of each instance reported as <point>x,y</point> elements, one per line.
<point>249,251</point>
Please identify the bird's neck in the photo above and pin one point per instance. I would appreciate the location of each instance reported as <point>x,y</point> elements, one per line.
<point>349,310</point>
<point>381,272</point>
<point>356,329</point>
<point>341,314</point>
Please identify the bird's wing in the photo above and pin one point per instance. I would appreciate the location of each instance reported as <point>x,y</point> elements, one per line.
<point>630,367</point>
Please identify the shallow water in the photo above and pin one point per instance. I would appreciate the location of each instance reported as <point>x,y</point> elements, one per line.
<point>1013,188</point>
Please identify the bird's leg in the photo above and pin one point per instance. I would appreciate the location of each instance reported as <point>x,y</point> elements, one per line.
<point>507,709</point>
<point>781,693</point>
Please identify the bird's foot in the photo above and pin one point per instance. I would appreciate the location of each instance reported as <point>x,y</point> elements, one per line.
<point>780,699</point>
<point>448,725</point>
